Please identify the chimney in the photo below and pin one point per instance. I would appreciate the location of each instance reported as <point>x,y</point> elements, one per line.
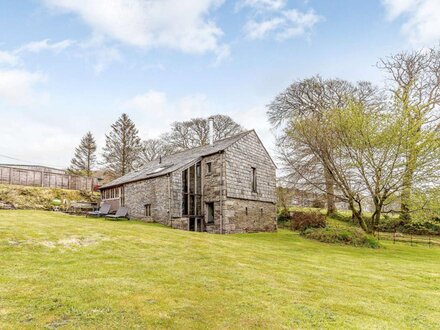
<point>211,130</point>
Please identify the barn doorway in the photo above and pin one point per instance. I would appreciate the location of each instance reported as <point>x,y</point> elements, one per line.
<point>196,224</point>
<point>210,213</point>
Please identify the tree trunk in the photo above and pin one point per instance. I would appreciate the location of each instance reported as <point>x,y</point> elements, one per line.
<point>375,218</point>
<point>330,192</point>
<point>415,127</point>
<point>406,194</point>
<point>357,215</point>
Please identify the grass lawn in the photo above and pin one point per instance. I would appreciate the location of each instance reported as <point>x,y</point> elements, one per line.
<point>72,272</point>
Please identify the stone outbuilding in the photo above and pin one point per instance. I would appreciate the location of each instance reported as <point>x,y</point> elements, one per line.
<point>225,187</point>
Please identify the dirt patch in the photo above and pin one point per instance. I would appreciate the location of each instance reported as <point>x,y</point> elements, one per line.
<point>67,242</point>
<point>57,323</point>
<point>73,241</point>
<point>48,244</point>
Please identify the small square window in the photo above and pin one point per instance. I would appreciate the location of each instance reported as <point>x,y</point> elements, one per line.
<point>209,168</point>
<point>148,210</point>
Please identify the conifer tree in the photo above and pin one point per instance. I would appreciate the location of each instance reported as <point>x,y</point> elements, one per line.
<point>122,147</point>
<point>85,156</point>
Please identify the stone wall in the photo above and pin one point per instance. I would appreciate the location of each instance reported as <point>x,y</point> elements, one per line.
<point>241,157</point>
<point>247,216</point>
<point>153,191</point>
<point>179,223</point>
<point>212,188</point>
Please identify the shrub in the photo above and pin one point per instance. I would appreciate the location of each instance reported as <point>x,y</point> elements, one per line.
<point>283,215</point>
<point>345,217</point>
<point>346,236</point>
<point>304,220</point>
<point>414,227</point>
<point>318,203</point>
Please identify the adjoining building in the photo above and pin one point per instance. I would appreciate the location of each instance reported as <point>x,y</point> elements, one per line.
<point>227,186</point>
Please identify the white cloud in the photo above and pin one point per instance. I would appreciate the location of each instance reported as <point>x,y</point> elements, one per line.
<point>263,4</point>
<point>39,46</point>
<point>99,53</point>
<point>287,24</point>
<point>18,87</point>
<point>174,24</point>
<point>422,26</point>
<point>258,30</point>
<point>8,59</point>
<point>152,101</point>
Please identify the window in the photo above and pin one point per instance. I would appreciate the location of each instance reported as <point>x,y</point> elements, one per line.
<point>192,191</point>
<point>246,210</point>
<point>208,168</point>
<point>112,193</point>
<point>198,170</point>
<point>254,179</point>
<point>210,207</point>
<point>122,196</point>
<point>148,210</point>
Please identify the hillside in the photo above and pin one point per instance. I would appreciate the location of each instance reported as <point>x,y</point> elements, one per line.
<point>25,197</point>
<point>75,272</point>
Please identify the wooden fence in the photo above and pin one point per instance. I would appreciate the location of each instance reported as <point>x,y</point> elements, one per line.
<point>430,240</point>
<point>43,178</point>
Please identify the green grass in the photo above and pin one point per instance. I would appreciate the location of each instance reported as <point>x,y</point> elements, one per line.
<point>71,272</point>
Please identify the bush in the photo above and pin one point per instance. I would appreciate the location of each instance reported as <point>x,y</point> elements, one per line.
<point>414,228</point>
<point>345,217</point>
<point>318,203</point>
<point>352,237</point>
<point>304,220</point>
<point>283,216</point>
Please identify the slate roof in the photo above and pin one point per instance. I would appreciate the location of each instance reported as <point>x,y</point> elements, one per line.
<point>175,161</point>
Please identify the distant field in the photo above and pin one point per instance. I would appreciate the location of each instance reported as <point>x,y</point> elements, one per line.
<point>60,271</point>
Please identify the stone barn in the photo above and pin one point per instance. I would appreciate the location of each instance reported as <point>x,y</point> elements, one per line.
<point>225,187</point>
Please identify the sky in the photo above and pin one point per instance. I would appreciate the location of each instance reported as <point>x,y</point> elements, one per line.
<point>72,66</point>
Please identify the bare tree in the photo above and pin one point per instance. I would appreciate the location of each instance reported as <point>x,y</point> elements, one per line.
<point>195,132</point>
<point>414,84</point>
<point>151,150</point>
<point>122,147</point>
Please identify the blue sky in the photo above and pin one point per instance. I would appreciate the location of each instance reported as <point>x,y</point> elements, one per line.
<point>69,66</point>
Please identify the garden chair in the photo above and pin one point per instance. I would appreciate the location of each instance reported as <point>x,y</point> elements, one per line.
<point>103,211</point>
<point>122,213</point>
